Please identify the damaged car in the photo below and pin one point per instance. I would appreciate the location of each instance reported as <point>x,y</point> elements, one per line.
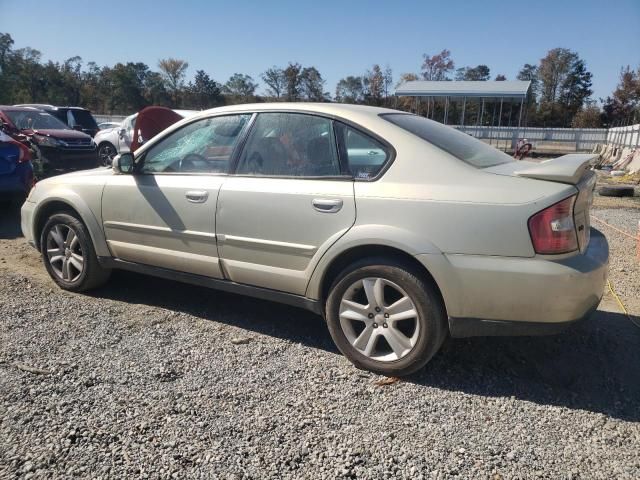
<point>77,118</point>
<point>56,148</point>
<point>398,230</point>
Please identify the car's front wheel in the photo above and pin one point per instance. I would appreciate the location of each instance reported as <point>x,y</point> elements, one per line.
<point>69,256</point>
<point>106,152</point>
<point>385,317</point>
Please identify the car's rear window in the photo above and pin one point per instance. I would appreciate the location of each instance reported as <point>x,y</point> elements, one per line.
<point>460,145</point>
<point>82,118</point>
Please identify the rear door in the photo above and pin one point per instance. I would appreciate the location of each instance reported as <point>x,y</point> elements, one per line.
<point>286,204</point>
<point>164,214</point>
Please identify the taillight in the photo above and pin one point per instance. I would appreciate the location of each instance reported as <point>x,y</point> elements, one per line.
<point>25,154</point>
<point>553,230</point>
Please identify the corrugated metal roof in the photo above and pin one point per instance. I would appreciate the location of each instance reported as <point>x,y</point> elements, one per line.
<point>422,88</point>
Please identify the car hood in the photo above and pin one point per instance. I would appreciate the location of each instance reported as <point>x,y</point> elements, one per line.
<point>91,176</point>
<point>62,134</point>
<point>94,172</point>
<point>105,133</point>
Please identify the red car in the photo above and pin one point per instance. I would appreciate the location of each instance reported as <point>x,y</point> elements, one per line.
<point>57,147</point>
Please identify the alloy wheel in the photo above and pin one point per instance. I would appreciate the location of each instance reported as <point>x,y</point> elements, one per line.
<point>379,319</point>
<point>106,154</point>
<point>64,253</point>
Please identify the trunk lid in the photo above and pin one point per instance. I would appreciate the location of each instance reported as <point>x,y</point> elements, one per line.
<point>573,169</point>
<point>566,169</point>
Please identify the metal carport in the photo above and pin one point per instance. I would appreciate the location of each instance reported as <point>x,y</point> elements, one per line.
<point>513,91</point>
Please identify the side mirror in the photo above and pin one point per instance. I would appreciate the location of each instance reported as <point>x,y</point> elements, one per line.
<point>123,163</point>
<point>122,132</point>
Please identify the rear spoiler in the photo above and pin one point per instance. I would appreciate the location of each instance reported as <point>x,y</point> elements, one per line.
<point>566,169</point>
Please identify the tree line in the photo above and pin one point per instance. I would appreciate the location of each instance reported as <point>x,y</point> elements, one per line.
<point>560,94</point>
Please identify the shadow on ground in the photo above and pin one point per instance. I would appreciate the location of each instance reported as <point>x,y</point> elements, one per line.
<point>593,366</point>
<point>9,220</point>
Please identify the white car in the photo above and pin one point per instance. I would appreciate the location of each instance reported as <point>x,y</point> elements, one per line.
<point>115,140</point>
<point>112,141</point>
<point>107,125</point>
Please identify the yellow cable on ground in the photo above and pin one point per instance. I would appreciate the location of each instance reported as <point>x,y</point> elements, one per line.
<point>615,295</point>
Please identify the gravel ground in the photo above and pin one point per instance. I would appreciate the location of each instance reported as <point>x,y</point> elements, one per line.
<point>153,379</point>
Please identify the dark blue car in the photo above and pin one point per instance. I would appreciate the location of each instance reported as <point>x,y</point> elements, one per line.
<point>16,170</point>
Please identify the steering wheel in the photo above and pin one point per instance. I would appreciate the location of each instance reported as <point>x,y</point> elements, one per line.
<point>189,163</point>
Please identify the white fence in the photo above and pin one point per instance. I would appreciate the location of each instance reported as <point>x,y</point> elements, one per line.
<point>628,136</point>
<point>544,140</point>
<point>109,118</point>
<point>552,140</point>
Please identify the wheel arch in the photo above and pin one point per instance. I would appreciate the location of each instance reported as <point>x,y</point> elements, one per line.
<point>360,252</point>
<point>109,142</point>
<point>79,210</point>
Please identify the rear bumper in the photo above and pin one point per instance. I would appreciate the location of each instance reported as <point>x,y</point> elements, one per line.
<point>489,296</point>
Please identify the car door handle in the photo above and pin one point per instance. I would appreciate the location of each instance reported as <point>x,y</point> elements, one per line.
<point>197,196</point>
<point>326,205</point>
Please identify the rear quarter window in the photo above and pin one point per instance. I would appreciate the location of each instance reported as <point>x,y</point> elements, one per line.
<point>462,146</point>
<point>365,156</point>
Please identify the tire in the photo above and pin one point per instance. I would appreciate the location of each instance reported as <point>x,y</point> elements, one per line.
<point>56,241</point>
<point>106,152</point>
<point>423,333</point>
<point>616,191</point>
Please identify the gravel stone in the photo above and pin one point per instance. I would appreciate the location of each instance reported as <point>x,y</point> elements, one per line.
<point>146,381</point>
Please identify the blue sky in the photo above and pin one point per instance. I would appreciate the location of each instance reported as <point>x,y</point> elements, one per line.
<point>338,37</point>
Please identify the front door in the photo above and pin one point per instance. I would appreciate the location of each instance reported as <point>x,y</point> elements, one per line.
<point>287,203</point>
<point>164,214</point>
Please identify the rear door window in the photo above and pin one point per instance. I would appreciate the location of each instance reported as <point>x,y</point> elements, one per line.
<point>290,145</point>
<point>365,156</point>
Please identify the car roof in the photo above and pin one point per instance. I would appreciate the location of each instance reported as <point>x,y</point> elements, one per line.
<point>48,107</point>
<point>19,108</point>
<point>338,109</point>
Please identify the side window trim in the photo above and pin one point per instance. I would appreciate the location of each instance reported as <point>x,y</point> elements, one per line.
<point>343,156</point>
<point>237,153</point>
<point>139,163</point>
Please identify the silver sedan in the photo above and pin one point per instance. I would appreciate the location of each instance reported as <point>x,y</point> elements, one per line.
<point>397,229</point>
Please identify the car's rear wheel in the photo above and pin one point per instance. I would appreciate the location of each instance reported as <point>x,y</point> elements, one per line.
<point>106,152</point>
<point>69,256</point>
<point>385,317</point>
